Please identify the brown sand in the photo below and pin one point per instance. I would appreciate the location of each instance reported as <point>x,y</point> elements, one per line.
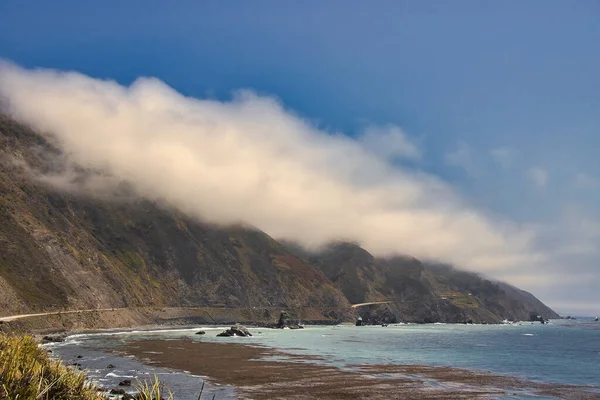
<point>299,377</point>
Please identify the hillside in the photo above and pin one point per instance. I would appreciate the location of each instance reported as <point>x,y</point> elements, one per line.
<point>61,251</point>
<point>421,292</point>
<point>82,249</point>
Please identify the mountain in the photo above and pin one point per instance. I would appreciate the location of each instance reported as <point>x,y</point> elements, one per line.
<point>421,292</point>
<point>80,248</point>
<point>65,251</point>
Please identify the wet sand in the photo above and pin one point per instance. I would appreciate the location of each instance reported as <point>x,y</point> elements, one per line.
<point>255,376</point>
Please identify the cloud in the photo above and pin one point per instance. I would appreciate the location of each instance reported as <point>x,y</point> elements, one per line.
<point>584,181</point>
<point>462,156</point>
<point>503,156</point>
<point>389,142</point>
<point>538,176</point>
<point>250,160</point>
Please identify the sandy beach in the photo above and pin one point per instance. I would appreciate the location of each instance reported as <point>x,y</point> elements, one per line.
<point>261,372</point>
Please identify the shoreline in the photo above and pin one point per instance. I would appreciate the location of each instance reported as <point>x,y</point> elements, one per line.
<point>77,321</point>
<point>262,372</point>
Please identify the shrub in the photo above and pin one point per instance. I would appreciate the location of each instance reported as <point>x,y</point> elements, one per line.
<point>153,390</point>
<point>27,373</point>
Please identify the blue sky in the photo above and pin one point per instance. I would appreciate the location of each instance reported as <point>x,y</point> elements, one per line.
<point>502,98</point>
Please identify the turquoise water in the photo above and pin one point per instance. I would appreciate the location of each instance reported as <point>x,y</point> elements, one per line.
<point>562,352</point>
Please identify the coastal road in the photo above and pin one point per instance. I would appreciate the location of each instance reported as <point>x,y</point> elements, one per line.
<point>21,316</point>
<point>370,303</point>
<point>16,317</point>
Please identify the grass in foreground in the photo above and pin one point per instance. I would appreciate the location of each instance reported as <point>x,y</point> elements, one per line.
<point>152,390</point>
<point>27,373</point>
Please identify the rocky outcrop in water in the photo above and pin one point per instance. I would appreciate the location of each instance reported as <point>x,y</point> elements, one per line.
<point>236,330</point>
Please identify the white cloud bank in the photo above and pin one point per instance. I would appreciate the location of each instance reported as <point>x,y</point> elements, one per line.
<point>249,160</point>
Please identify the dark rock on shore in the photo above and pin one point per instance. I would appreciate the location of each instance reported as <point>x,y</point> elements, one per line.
<point>128,396</point>
<point>126,382</point>
<point>286,320</point>
<point>53,339</point>
<point>110,366</point>
<point>117,391</point>
<point>533,317</point>
<point>200,333</point>
<point>236,330</point>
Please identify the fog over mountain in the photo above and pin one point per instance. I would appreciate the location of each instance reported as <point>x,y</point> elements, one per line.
<point>250,160</point>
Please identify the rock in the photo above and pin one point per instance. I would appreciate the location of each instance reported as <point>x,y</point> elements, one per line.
<point>240,330</point>
<point>533,317</point>
<point>79,356</point>
<point>117,391</point>
<point>126,382</point>
<point>295,326</point>
<point>53,339</point>
<point>76,365</point>
<point>236,330</point>
<point>284,319</point>
<point>128,396</point>
<point>110,366</point>
<point>200,333</point>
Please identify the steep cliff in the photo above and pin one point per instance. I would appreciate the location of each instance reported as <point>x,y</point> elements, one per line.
<point>65,251</point>
<point>421,292</point>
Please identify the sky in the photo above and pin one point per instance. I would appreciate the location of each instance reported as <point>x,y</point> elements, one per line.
<point>466,131</point>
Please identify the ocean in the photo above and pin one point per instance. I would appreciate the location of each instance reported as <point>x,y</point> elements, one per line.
<point>563,351</point>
